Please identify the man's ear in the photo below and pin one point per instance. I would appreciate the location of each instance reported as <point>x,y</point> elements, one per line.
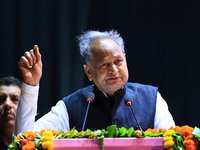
<point>88,71</point>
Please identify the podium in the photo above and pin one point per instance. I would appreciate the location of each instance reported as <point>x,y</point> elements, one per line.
<point>110,144</point>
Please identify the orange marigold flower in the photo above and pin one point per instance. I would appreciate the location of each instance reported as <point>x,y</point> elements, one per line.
<point>171,128</point>
<point>37,132</point>
<point>162,130</point>
<point>29,145</point>
<point>41,132</point>
<point>151,130</point>
<point>178,129</point>
<point>55,132</point>
<point>68,132</point>
<point>82,132</point>
<point>187,132</point>
<point>139,133</point>
<point>18,139</point>
<point>30,135</point>
<point>189,144</point>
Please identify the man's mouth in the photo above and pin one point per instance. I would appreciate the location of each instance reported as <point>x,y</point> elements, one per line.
<point>113,78</point>
<point>9,115</point>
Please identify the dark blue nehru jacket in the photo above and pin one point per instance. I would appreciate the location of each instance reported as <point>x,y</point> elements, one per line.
<point>105,111</point>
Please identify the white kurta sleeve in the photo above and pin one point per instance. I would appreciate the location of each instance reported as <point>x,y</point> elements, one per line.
<point>163,119</point>
<point>26,109</point>
<point>56,119</point>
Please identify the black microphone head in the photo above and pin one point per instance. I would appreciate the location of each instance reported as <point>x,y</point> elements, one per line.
<point>128,100</point>
<point>90,97</point>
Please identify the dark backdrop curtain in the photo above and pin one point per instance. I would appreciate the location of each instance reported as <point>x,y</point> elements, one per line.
<point>161,42</point>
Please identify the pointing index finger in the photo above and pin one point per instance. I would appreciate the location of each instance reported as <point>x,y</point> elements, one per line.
<point>37,53</point>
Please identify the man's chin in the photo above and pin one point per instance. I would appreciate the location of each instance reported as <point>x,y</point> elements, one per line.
<point>115,88</point>
<point>116,85</point>
<point>11,122</point>
<point>9,118</point>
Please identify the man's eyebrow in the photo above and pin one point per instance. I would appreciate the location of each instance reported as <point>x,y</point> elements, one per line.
<point>14,95</point>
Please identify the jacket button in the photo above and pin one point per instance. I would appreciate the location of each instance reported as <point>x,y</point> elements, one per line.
<point>115,121</point>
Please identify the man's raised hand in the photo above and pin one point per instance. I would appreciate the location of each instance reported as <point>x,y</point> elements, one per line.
<point>30,66</point>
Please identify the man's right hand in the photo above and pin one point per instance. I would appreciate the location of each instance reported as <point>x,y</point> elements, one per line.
<point>30,66</point>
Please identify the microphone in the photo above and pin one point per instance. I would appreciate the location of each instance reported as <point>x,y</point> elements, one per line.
<point>90,99</point>
<point>129,103</point>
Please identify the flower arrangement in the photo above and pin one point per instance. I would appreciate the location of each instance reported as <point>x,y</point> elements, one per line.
<point>175,138</point>
<point>182,138</point>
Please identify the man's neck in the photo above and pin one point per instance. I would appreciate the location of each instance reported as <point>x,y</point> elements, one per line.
<point>111,94</point>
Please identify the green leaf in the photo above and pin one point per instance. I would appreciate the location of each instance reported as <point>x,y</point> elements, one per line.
<point>176,148</point>
<point>88,133</point>
<point>139,136</point>
<point>158,134</point>
<point>15,146</point>
<point>38,136</point>
<point>103,134</point>
<point>38,143</point>
<point>14,138</point>
<point>179,140</point>
<point>148,134</point>
<point>131,132</point>
<point>60,135</point>
<point>72,133</point>
<point>22,136</point>
<point>196,133</point>
<point>116,133</point>
<point>97,132</point>
<point>122,132</point>
<point>111,130</point>
<point>101,143</point>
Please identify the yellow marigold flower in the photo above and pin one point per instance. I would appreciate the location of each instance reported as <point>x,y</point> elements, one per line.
<point>168,138</point>
<point>169,133</point>
<point>171,148</point>
<point>47,138</point>
<point>47,145</point>
<point>47,133</point>
<point>168,144</point>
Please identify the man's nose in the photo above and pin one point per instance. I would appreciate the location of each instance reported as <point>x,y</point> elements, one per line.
<point>113,69</point>
<point>8,102</point>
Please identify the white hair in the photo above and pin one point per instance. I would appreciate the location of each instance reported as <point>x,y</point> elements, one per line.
<point>89,36</point>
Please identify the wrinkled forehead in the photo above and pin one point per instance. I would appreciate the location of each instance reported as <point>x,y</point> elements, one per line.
<point>105,46</point>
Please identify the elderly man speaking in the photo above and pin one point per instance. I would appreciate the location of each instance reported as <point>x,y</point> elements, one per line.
<point>104,64</point>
